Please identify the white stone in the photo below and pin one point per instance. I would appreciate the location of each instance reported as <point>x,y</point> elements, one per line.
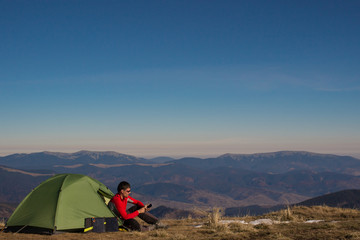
<point>314,221</point>
<point>262,221</point>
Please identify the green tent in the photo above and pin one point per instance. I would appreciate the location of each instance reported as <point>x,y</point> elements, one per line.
<point>61,203</point>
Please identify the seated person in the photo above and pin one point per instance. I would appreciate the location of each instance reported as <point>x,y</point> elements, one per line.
<point>120,201</point>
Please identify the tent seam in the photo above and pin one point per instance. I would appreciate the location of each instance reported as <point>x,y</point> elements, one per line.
<point>57,201</point>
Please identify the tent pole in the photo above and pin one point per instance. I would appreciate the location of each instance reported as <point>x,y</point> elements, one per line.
<point>21,229</point>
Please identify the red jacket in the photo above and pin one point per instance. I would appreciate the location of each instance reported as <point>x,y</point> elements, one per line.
<point>120,205</point>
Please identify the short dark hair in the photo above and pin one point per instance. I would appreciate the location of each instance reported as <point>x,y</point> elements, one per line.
<point>123,186</point>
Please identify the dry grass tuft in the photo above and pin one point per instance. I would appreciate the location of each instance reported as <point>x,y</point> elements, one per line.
<point>159,234</point>
<point>288,215</point>
<point>279,236</point>
<point>214,216</point>
<point>240,227</point>
<point>2,223</point>
<point>324,212</point>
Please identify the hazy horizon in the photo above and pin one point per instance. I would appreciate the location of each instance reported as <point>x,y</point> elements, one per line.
<point>180,78</point>
<point>179,156</point>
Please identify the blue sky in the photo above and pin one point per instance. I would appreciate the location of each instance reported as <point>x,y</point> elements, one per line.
<point>180,78</point>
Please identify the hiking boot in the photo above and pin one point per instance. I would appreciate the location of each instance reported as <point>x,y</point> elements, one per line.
<point>160,225</point>
<point>148,228</point>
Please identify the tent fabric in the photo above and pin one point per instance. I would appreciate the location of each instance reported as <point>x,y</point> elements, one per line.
<point>61,203</point>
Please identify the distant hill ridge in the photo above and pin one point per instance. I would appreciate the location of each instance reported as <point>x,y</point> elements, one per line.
<point>34,173</point>
<point>280,162</point>
<point>228,180</point>
<point>349,198</point>
<point>274,154</point>
<point>92,154</point>
<point>49,159</point>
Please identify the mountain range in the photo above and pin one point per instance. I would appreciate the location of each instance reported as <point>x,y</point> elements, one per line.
<point>230,180</point>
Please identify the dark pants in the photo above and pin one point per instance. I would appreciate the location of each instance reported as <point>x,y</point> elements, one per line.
<point>134,225</point>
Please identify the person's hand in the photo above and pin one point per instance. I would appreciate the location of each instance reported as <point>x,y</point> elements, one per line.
<point>142,210</point>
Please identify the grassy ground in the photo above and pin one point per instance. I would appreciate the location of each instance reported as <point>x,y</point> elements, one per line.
<point>290,224</point>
